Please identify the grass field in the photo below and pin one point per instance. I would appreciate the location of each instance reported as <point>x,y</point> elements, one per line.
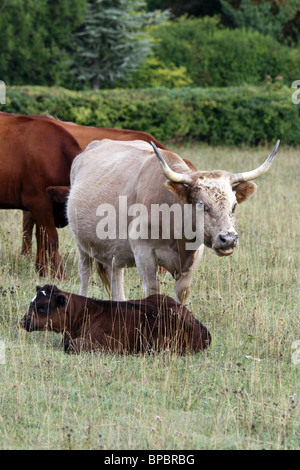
<point>241,393</point>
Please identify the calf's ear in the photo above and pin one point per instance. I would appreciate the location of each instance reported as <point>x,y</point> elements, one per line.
<point>38,288</point>
<point>244,190</point>
<point>60,300</point>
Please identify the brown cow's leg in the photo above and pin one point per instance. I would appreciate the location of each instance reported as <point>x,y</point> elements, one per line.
<point>28,224</point>
<point>47,251</point>
<point>47,242</point>
<point>41,254</point>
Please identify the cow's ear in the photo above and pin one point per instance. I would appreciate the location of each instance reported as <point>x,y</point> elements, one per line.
<point>178,189</point>
<point>58,193</point>
<point>38,288</point>
<point>244,190</point>
<point>60,300</point>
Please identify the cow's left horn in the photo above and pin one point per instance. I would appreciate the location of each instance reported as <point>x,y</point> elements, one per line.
<point>170,174</point>
<point>252,175</point>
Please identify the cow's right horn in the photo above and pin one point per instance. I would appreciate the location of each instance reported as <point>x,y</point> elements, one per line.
<point>252,175</point>
<point>170,174</point>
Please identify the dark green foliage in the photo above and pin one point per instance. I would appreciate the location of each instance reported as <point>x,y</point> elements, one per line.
<point>217,56</point>
<point>267,17</point>
<point>240,115</point>
<point>36,42</point>
<point>191,7</point>
<point>154,4</point>
<point>111,47</point>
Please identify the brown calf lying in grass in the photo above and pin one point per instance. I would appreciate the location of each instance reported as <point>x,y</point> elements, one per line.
<point>154,323</point>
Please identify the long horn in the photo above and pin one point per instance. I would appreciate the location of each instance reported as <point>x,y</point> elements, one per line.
<point>170,174</point>
<point>252,175</point>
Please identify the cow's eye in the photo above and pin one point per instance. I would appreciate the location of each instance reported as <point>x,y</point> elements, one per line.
<point>202,206</point>
<point>42,308</point>
<point>234,207</point>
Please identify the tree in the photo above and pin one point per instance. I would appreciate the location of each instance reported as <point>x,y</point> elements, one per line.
<point>110,42</point>
<point>267,17</point>
<point>36,39</point>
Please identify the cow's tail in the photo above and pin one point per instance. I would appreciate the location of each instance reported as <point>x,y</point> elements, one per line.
<point>102,270</point>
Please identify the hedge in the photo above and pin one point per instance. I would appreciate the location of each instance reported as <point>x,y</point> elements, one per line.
<point>231,116</point>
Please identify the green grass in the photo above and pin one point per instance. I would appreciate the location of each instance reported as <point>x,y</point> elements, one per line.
<point>242,393</point>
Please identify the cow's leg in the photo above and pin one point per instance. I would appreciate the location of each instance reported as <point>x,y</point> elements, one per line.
<point>84,270</point>
<point>47,240</point>
<point>28,224</point>
<point>47,245</point>
<point>183,287</point>
<point>147,268</point>
<point>183,283</point>
<point>117,282</point>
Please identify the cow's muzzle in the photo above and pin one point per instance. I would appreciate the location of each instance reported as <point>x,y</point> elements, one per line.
<point>27,323</point>
<point>225,243</point>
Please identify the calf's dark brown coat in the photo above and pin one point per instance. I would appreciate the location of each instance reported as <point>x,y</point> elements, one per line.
<point>154,323</point>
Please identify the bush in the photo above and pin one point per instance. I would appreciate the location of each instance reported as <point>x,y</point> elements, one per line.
<point>216,56</point>
<point>154,73</point>
<point>240,115</point>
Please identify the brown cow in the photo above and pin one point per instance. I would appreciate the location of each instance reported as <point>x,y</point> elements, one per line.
<point>155,323</point>
<point>35,154</point>
<point>84,135</point>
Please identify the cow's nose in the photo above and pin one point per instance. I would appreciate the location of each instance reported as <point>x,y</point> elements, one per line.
<point>25,323</point>
<point>228,240</point>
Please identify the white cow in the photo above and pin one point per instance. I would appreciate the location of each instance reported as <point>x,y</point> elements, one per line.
<point>117,189</point>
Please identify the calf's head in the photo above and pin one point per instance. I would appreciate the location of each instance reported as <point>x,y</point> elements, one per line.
<point>217,193</point>
<point>46,310</point>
